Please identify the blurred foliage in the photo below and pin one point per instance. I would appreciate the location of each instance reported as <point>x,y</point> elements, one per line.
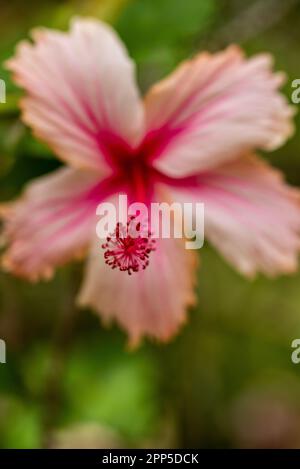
<point>160,33</point>
<point>119,390</point>
<point>227,379</point>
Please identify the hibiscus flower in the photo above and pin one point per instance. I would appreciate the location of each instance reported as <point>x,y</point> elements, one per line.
<point>192,139</point>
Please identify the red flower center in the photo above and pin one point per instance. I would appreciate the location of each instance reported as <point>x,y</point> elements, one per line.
<point>128,247</point>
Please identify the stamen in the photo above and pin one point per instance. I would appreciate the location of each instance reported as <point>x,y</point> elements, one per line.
<point>128,247</point>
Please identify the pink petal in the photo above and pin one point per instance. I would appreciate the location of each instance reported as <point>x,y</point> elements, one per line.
<point>216,107</point>
<point>80,87</point>
<point>53,222</point>
<point>251,216</point>
<point>151,302</point>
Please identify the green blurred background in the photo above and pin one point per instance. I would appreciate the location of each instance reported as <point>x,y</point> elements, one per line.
<point>227,380</point>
